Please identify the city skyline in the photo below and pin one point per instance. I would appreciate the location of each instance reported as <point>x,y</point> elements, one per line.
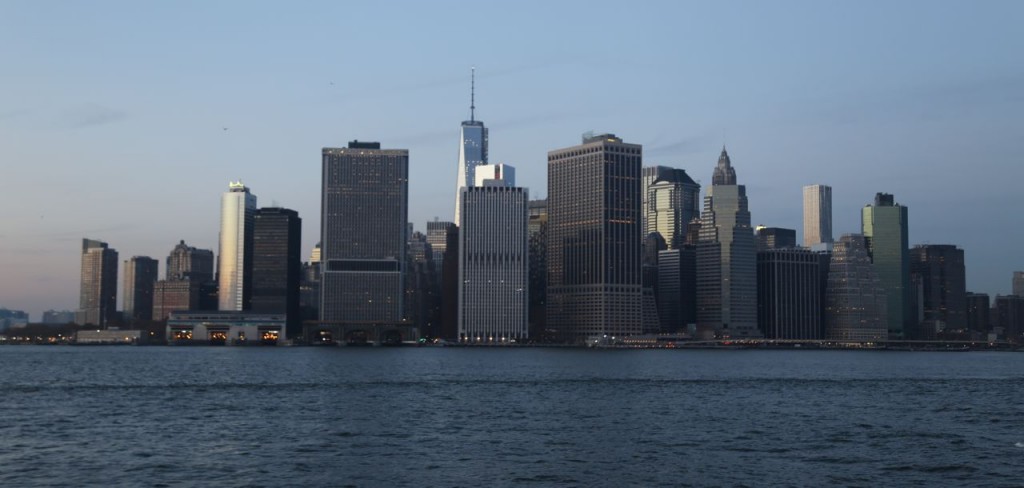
<point>913,113</point>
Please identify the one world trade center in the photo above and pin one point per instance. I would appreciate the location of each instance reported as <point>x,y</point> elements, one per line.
<point>472,147</point>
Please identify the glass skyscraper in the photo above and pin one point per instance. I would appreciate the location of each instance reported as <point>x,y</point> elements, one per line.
<point>234,270</point>
<point>140,275</point>
<point>472,150</point>
<point>884,224</point>
<point>277,264</point>
<point>817,215</point>
<point>98,294</point>
<point>364,212</point>
<point>671,200</point>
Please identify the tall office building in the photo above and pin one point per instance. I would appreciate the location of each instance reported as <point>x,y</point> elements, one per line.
<point>437,237</point>
<point>186,262</point>
<point>179,296</point>
<point>775,238</point>
<point>364,202</point>
<point>726,258</point>
<point>939,270</point>
<point>677,288</point>
<point>594,237</point>
<point>979,318</point>
<point>884,224</point>
<point>472,148</point>
<point>422,286</point>
<point>140,275</point>
<point>817,215</point>
<point>97,301</point>
<point>1009,317</point>
<point>493,258</point>
<point>537,228</point>
<point>855,300</point>
<point>671,200</point>
<point>277,265</point>
<point>789,293</point>
<point>234,270</point>
<point>1018,283</point>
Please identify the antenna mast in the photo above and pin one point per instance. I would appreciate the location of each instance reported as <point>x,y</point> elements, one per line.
<point>472,94</point>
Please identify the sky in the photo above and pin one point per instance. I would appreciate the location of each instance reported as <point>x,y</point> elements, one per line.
<point>125,121</point>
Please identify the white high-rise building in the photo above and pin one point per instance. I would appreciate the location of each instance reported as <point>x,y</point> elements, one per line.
<point>494,267</point>
<point>472,150</point>
<point>817,215</point>
<point>234,264</point>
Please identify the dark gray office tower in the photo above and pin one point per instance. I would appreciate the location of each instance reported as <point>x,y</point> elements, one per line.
<point>450,284</point>
<point>437,237</point>
<point>140,275</point>
<point>939,271</point>
<point>726,259</point>
<point>277,265</point>
<point>775,238</point>
<point>1018,283</point>
<point>594,279</point>
<point>364,207</point>
<point>884,224</point>
<point>979,318</point>
<point>422,286</point>
<point>677,288</point>
<point>97,303</point>
<point>670,201</point>
<point>854,299</point>
<point>789,293</point>
<point>188,263</point>
<point>537,228</point>
<point>1009,311</point>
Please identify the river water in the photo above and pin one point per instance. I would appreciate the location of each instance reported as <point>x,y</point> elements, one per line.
<point>303,416</point>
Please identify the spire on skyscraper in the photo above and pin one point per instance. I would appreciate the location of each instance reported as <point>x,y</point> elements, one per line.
<point>724,173</point>
<point>472,94</point>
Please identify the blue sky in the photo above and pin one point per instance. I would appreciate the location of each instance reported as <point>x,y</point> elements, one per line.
<point>112,114</point>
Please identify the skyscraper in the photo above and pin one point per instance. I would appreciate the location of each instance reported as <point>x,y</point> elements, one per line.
<point>854,298</point>
<point>884,224</point>
<point>364,209</point>
<point>726,258</point>
<point>789,293</point>
<point>1018,283</point>
<point>671,200</point>
<point>775,238</point>
<point>140,275</point>
<point>677,288</point>
<point>493,258</point>
<point>234,271</point>
<point>817,215</point>
<point>979,311</point>
<point>472,148</point>
<point>594,237</point>
<point>97,301</point>
<point>277,265</point>
<point>537,227</point>
<point>186,262</point>
<point>940,272</point>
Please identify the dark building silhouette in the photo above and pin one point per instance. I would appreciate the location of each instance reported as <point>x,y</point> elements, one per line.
<point>594,239</point>
<point>677,288</point>
<point>422,286</point>
<point>855,301</point>
<point>775,238</point>
<point>186,262</point>
<point>450,285</point>
<point>277,265</point>
<point>979,312</point>
<point>942,287</point>
<point>790,302</point>
<point>98,292</point>
<point>364,211</point>
<point>140,275</point>
<point>1009,311</point>
<point>537,228</point>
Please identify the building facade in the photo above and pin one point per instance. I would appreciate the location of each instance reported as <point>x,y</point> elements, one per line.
<point>884,225</point>
<point>140,275</point>
<point>277,265</point>
<point>364,208</point>
<point>775,238</point>
<point>939,272</point>
<point>234,270</point>
<point>726,259</point>
<point>493,259</point>
<point>817,215</point>
<point>594,239</point>
<point>790,303</point>
<point>677,288</point>
<point>979,313</point>
<point>537,228</point>
<point>855,301</point>
<point>1018,283</point>
<point>188,263</point>
<point>97,300</point>
<point>670,201</point>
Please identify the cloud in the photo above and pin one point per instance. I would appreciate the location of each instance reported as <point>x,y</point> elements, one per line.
<point>90,115</point>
